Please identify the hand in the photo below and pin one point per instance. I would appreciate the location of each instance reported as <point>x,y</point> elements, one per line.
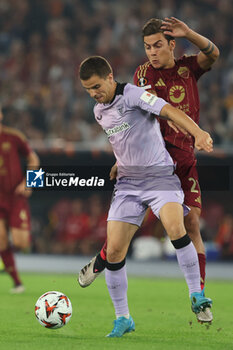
<point>174,27</point>
<point>113,172</point>
<point>22,190</point>
<point>203,141</point>
<point>176,127</point>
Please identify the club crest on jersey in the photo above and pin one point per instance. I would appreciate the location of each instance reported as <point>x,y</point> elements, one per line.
<point>120,110</point>
<point>183,72</point>
<point>142,82</point>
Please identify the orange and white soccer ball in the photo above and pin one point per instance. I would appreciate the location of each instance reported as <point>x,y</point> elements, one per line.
<point>53,310</point>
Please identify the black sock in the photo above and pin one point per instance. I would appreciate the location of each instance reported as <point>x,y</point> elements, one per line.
<point>115,266</point>
<point>181,242</point>
<point>99,264</point>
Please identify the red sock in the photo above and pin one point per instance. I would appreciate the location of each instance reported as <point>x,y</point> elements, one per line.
<point>104,251</point>
<point>10,267</point>
<point>202,263</point>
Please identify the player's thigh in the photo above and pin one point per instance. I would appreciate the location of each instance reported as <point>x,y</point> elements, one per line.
<point>127,207</point>
<point>172,218</point>
<point>3,235</point>
<point>20,238</point>
<point>19,216</point>
<point>188,176</point>
<point>187,172</point>
<point>119,235</point>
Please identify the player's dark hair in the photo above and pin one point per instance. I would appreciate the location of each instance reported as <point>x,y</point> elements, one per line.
<point>153,26</point>
<point>94,65</point>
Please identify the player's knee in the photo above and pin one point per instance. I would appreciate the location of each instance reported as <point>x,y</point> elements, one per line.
<point>176,230</point>
<point>21,242</point>
<point>115,254</point>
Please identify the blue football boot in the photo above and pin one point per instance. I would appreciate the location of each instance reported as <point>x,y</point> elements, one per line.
<point>201,307</point>
<point>122,325</point>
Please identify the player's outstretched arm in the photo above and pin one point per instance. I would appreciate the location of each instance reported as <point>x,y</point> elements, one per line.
<point>33,162</point>
<point>203,140</point>
<point>175,127</point>
<point>178,29</point>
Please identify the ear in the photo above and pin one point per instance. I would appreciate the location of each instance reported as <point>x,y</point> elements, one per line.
<point>172,44</point>
<point>110,77</point>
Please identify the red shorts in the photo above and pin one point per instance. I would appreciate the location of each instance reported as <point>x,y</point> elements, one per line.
<point>15,210</point>
<point>187,172</point>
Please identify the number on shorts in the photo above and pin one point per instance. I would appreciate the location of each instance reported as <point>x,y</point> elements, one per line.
<point>194,185</point>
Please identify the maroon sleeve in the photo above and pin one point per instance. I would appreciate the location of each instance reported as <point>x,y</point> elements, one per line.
<point>22,145</point>
<point>191,62</point>
<point>143,76</point>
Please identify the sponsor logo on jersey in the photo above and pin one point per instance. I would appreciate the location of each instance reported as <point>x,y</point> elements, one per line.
<point>119,128</point>
<point>183,72</point>
<point>160,82</point>
<point>142,82</point>
<point>148,98</point>
<point>177,94</point>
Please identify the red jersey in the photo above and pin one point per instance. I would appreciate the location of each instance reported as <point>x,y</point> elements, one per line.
<point>178,86</point>
<point>13,145</point>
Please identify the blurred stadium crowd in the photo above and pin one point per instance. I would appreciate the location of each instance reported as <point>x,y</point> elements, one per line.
<point>42,43</point>
<point>78,226</point>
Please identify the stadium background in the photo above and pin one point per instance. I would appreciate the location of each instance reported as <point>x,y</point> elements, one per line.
<point>42,43</point>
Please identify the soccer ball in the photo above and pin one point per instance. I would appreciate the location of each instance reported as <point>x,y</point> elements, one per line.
<point>53,310</point>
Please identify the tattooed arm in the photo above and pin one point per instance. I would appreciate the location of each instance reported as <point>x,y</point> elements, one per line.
<point>208,51</point>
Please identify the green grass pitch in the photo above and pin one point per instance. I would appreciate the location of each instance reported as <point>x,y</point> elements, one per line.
<point>160,308</point>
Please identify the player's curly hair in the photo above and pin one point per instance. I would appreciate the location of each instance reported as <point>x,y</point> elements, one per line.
<point>94,65</point>
<point>153,26</point>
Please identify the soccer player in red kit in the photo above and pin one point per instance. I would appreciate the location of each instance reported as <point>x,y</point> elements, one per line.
<point>14,209</point>
<point>175,80</point>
